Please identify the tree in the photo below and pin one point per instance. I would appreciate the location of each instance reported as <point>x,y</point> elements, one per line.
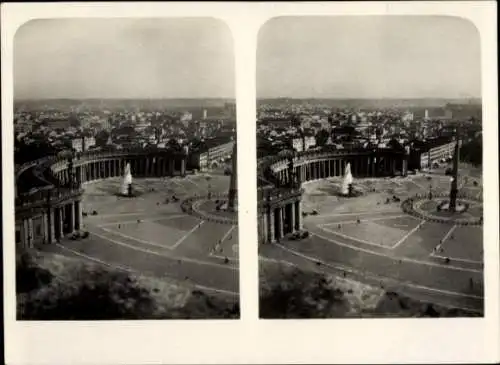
<point>394,144</point>
<point>101,139</point>
<point>29,276</point>
<point>472,152</point>
<point>92,295</point>
<point>29,152</point>
<point>90,292</point>
<point>301,294</point>
<point>174,145</point>
<point>322,137</point>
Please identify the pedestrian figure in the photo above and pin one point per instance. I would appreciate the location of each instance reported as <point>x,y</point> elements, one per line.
<point>226,260</point>
<point>471,283</point>
<point>358,221</point>
<point>447,260</point>
<point>119,226</point>
<point>345,274</point>
<point>339,226</point>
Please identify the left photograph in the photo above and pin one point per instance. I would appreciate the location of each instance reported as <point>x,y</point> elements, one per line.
<point>126,203</point>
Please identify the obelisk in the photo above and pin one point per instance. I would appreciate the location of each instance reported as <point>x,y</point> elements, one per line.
<point>233,184</point>
<point>454,178</point>
<point>347,179</point>
<point>126,187</point>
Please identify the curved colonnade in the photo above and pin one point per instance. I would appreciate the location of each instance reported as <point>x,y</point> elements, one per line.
<point>280,178</point>
<point>49,190</point>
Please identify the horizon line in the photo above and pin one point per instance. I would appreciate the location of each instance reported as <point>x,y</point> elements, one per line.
<point>259,98</point>
<point>123,98</point>
<point>370,98</point>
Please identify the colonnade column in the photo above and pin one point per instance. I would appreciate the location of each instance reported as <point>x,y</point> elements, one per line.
<point>72,216</point>
<point>45,223</point>
<point>183,167</point>
<point>292,216</point>
<point>79,214</point>
<point>272,222</point>
<point>30,232</point>
<point>22,233</point>
<point>52,226</point>
<point>61,222</point>
<point>281,228</point>
<point>265,227</point>
<point>298,214</point>
<point>404,168</point>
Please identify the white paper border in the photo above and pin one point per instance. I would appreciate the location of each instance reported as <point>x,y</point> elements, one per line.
<point>249,340</point>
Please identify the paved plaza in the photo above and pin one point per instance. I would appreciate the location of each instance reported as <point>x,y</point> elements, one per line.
<point>151,234</point>
<point>370,239</point>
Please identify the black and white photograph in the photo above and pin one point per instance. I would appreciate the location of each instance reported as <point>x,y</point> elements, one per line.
<point>250,183</point>
<point>126,201</point>
<point>370,185</point>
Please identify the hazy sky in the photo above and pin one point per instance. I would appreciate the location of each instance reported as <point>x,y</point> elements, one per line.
<point>368,57</point>
<point>124,58</point>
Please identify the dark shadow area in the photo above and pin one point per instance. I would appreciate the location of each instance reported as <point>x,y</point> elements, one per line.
<point>88,292</point>
<point>291,293</point>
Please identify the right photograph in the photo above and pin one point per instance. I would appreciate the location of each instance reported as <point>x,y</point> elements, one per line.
<point>369,167</point>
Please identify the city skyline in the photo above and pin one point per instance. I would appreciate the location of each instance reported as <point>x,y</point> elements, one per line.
<point>369,57</point>
<point>124,59</point>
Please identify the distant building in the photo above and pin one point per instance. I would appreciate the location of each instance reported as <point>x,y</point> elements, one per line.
<point>57,123</point>
<point>186,116</point>
<point>301,144</point>
<point>424,153</point>
<point>82,144</point>
<point>212,152</point>
<point>438,114</point>
<point>407,117</point>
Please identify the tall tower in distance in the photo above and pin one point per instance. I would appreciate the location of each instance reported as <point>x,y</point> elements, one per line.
<point>233,185</point>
